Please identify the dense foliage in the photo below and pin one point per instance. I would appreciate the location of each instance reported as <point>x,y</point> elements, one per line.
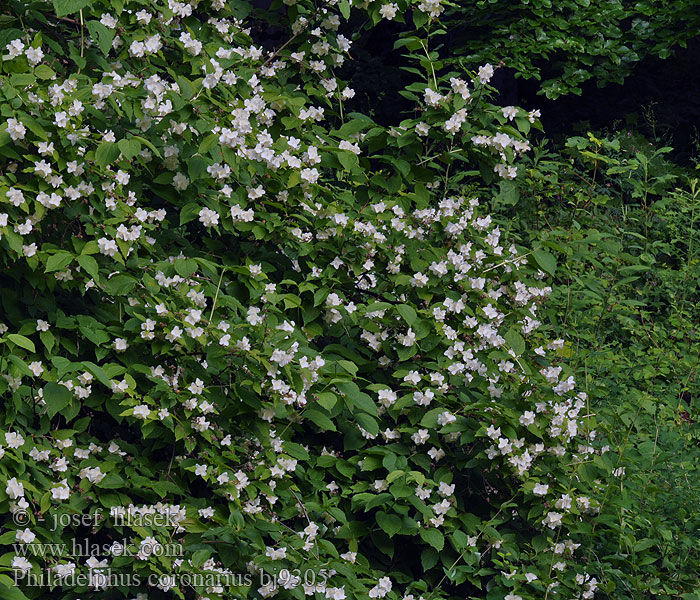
<point>564,44</point>
<point>623,220</point>
<point>326,351</point>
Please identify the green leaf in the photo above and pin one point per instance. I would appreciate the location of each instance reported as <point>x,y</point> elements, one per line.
<point>545,260</point>
<point>57,397</point>
<point>391,524</point>
<point>44,72</point>
<point>356,398</point>
<point>367,423</point>
<point>197,167</point>
<point>102,35</point>
<point>48,340</point>
<point>186,267</point>
<point>112,481</point>
<point>21,341</point>
<point>208,143</point>
<point>66,7</point>
<point>9,591</point>
<point>145,142</point>
<point>433,537</point>
<point>408,313</point>
<point>98,372</point>
<point>106,153</point>
<point>319,419</point>
<point>89,265</point>
<point>129,148</point>
<point>296,450</point>
<point>515,341</point>
<point>189,212</point>
<point>327,399</point>
<point>58,261</point>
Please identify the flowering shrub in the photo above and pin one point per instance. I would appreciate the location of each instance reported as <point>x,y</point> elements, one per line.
<point>298,336</point>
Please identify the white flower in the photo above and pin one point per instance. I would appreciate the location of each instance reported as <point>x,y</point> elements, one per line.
<point>388,11</point>
<point>25,536</point>
<point>422,129</point>
<point>34,55</point>
<point>208,217</point>
<point>420,437</point>
<point>14,489</point>
<point>16,130</point>
<point>108,21</point>
<point>335,593</point>
<point>61,118</point>
<point>61,492</point>
<point>107,247</point>
<point>180,182</point>
<point>15,48</point>
<point>485,73</point>
<point>21,563</point>
<point>509,112</point>
<point>310,175</point>
<point>409,339</point>
<point>142,411</point>
<point>445,418</point>
<point>552,520</point>
<point>37,368</point>
<point>254,317</point>
<point>527,418</point>
<point>120,345</point>
<point>275,554</point>
<point>201,470</point>
<point>143,17</point>
<point>206,513</point>
<point>540,489</point>
<point>14,440</point>
<point>240,215</point>
<point>382,588</point>
<point>137,49</point>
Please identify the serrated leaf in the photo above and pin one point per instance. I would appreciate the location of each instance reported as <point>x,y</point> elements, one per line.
<point>208,143</point>
<point>356,398</point>
<point>185,267</point>
<point>197,167</point>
